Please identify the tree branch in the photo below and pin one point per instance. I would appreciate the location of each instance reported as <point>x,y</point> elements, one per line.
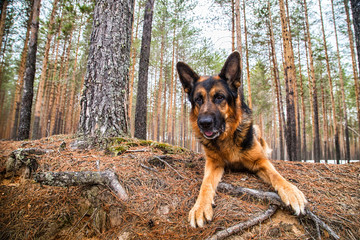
<point>66,179</point>
<point>272,198</point>
<point>244,225</point>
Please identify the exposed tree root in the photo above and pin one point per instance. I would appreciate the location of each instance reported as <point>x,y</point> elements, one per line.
<point>23,158</point>
<point>270,197</point>
<point>66,179</point>
<point>244,225</point>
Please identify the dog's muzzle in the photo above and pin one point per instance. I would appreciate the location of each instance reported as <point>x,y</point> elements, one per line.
<point>207,127</point>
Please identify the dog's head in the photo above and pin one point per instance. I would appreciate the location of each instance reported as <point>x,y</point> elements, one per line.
<point>214,99</point>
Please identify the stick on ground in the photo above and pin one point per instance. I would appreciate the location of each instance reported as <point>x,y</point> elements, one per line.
<point>272,198</point>
<point>66,179</point>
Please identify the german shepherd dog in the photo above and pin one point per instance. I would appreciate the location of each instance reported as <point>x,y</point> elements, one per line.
<point>223,123</point>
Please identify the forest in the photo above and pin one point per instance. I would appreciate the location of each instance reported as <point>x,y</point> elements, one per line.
<point>319,105</point>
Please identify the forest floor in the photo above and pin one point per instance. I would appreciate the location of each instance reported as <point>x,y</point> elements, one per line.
<point>161,195</point>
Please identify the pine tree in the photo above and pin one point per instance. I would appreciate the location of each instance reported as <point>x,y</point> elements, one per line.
<point>141,100</point>
<point>27,96</point>
<point>103,104</point>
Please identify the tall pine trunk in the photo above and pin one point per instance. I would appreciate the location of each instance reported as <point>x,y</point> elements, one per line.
<point>40,92</point>
<point>28,90</point>
<point>355,9</point>
<point>353,60</point>
<point>104,99</point>
<point>290,78</point>
<point>15,114</point>
<point>132,72</point>
<point>303,110</point>
<point>277,86</point>
<point>344,107</point>
<point>334,118</point>
<point>141,99</point>
<point>247,59</point>
<point>317,149</point>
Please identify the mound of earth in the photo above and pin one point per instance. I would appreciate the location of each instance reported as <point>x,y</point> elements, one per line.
<point>162,183</point>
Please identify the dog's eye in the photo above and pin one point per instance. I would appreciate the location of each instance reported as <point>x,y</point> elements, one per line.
<point>199,100</point>
<point>219,98</point>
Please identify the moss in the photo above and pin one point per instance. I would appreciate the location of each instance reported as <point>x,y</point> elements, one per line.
<point>167,148</point>
<point>146,142</point>
<point>132,144</point>
<point>118,149</point>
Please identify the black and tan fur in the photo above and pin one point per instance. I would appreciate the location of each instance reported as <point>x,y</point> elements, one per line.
<point>222,122</point>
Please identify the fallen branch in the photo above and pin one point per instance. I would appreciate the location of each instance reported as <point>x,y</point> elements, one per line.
<point>67,179</point>
<point>244,225</point>
<point>272,198</point>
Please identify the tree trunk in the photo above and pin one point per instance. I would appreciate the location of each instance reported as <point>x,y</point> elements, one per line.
<point>160,84</point>
<point>317,151</point>
<point>247,60</point>
<point>232,25</point>
<point>355,9</point>
<point>353,58</point>
<point>347,140</point>
<point>50,86</point>
<point>2,20</point>
<point>132,72</point>
<point>335,127</point>
<point>28,90</point>
<point>277,86</point>
<point>141,99</point>
<point>40,92</point>
<point>55,106</point>
<point>69,120</point>
<point>303,109</point>
<point>104,100</point>
<point>14,117</point>
<point>170,114</point>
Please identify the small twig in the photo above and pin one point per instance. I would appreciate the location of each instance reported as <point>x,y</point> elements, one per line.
<point>316,219</point>
<point>148,168</point>
<point>167,164</point>
<point>244,225</point>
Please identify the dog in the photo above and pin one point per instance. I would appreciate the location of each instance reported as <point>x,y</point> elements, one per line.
<point>223,123</point>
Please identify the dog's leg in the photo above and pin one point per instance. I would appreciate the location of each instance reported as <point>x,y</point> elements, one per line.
<point>288,192</point>
<point>202,209</point>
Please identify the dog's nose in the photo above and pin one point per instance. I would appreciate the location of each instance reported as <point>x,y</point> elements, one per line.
<point>206,122</point>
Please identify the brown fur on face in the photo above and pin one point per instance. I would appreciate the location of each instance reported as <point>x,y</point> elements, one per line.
<point>222,122</point>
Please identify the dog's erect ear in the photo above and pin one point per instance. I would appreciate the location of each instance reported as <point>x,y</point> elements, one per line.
<point>231,71</point>
<point>187,76</point>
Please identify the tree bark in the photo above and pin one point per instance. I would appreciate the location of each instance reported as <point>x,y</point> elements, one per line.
<point>28,90</point>
<point>132,72</point>
<point>355,9</point>
<point>344,107</point>
<point>67,179</point>
<point>104,100</point>
<point>277,86</point>
<point>141,99</point>
<point>353,60</point>
<point>40,92</point>
<point>317,151</point>
<point>247,59</point>
<point>14,117</point>
<point>2,20</point>
<point>290,78</point>
<point>334,118</point>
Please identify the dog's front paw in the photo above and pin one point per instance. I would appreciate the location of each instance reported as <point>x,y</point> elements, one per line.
<point>200,213</point>
<point>292,196</point>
